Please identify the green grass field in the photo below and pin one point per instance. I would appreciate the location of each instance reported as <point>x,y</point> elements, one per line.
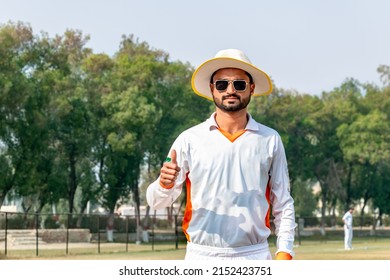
<point>364,249</point>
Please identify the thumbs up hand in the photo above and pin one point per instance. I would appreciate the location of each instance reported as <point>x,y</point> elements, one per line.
<point>169,171</point>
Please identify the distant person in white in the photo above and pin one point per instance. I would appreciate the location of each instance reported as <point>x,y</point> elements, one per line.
<point>348,232</point>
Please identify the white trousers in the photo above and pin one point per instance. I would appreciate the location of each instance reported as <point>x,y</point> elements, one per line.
<point>253,252</point>
<point>348,234</point>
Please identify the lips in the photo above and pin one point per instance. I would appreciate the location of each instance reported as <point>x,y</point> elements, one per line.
<point>231,97</point>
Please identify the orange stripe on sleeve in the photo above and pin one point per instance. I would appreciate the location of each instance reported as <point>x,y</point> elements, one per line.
<point>188,210</point>
<point>268,197</point>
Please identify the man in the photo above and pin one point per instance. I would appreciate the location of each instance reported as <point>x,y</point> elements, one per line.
<point>234,169</point>
<point>348,231</point>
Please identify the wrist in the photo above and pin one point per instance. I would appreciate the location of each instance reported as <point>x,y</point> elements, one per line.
<point>166,187</point>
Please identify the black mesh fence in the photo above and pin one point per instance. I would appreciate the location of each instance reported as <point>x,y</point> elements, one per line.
<point>40,231</point>
<point>68,233</point>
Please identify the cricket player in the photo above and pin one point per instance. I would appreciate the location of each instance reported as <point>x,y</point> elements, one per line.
<point>234,170</point>
<point>348,230</point>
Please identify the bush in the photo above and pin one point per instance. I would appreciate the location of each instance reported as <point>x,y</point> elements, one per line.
<point>311,221</point>
<point>18,221</point>
<point>386,221</point>
<point>52,222</point>
<point>120,222</point>
<point>365,221</point>
<point>163,224</point>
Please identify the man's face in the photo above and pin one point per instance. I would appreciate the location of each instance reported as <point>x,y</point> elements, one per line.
<point>231,99</point>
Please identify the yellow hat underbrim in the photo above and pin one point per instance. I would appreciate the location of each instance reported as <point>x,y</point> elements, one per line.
<point>200,81</point>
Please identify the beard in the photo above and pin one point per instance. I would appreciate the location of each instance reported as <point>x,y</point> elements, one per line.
<point>226,107</point>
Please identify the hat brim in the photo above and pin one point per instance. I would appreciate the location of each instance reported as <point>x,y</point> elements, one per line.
<point>201,78</point>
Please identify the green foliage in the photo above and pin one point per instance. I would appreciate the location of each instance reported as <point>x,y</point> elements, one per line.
<point>304,200</point>
<point>367,139</point>
<point>79,126</point>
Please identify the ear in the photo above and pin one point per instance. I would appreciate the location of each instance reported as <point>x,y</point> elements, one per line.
<point>211,88</point>
<point>252,89</point>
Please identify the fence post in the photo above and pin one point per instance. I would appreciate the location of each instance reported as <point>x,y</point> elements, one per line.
<point>299,227</point>
<point>127,233</point>
<point>67,233</point>
<point>153,225</point>
<point>98,230</point>
<point>36,232</point>
<point>6,233</point>
<point>176,233</point>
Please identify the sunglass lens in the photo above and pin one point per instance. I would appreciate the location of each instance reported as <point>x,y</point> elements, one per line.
<point>221,85</point>
<point>239,85</point>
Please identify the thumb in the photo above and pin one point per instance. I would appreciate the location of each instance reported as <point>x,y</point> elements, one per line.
<point>173,156</point>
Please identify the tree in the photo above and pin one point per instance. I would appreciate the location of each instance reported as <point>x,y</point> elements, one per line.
<point>15,40</point>
<point>24,125</point>
<point>69,109</point>
<point>384,71</point>
<point>339,106</point>
<point>366,147</point>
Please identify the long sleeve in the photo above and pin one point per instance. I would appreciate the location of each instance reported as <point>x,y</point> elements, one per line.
<point>158,197</point>
<point>281,200</point>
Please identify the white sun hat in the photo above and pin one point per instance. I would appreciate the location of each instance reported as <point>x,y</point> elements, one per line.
<point>230,58</point>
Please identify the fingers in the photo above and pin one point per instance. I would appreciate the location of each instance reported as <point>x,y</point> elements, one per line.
<point>170,170</point>
<point>168,175</point>
<point>173,156</point>
<point>172,163</point>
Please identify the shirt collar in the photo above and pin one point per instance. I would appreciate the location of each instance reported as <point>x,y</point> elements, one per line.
<point>251,125</point>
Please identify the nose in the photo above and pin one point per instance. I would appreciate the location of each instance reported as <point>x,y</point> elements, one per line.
<point>230,88</point>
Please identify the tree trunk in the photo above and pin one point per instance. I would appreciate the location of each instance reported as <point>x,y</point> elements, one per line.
<point>72,184</point>
<point>81,214</point>
<point>349,187</point>
<point>365,200</point>
<point>137,210</point>
<point>145,224</point>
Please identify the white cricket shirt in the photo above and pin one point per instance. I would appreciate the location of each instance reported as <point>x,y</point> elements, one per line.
<point>348,218</point>
<point>230,186</point>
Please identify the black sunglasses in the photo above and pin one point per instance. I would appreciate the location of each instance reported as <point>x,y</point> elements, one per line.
<point>222,85</point>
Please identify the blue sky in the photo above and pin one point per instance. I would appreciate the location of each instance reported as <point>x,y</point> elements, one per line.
<point>307,45</point>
